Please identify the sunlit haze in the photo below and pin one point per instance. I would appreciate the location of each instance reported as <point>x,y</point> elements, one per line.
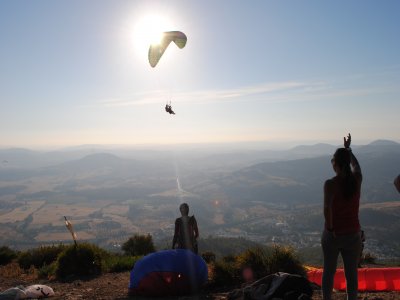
<point>148,30</point>
<point>77,72</point>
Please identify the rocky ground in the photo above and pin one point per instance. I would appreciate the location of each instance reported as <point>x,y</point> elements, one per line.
<point>115,286</point>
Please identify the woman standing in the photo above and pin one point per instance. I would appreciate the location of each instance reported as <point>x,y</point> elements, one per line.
<point>342,232</point>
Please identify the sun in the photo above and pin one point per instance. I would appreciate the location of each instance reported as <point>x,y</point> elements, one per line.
<point>148,30</point>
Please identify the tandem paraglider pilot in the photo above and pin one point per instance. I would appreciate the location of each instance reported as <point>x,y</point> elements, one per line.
<point>186,231</point>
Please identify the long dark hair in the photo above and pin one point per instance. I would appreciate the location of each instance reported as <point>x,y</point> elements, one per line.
<point>342,160</point>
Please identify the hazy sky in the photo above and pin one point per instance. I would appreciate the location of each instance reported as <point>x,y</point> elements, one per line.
<point>76,72</point>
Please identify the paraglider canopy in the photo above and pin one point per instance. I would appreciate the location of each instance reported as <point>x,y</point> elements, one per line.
<point>168,273</point>
<point>157,50</point>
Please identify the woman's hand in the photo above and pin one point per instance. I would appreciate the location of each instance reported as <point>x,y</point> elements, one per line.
<point>347,142</point>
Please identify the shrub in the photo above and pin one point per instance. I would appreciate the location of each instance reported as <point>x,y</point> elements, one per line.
<point>25,259</point>
<point>81,260</point>
<point>38,257</point>
<point>284,259</point>
<point>6,255</point>
<point>257,259</point>
<point>225,274</point>
<point>229,259</point>
<point>119,263</point>
<point>208,256</point>
<point>47,271</point>
<point>138,245</point>
<point>262,261</point>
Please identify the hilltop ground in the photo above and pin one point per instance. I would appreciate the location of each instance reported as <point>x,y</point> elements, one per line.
<point>115,286</point>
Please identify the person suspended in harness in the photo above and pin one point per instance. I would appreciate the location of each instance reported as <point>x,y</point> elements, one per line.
<point>186,231</point>
<point>168,108</point>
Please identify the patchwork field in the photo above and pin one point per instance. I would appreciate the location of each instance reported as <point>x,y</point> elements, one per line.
<point>120,210</point>
<point>22,212</point>
<point>62,236</point>
<point>54,213</point>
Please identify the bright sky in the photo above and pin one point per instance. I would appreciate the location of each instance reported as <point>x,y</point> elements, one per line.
<point>76,72</point>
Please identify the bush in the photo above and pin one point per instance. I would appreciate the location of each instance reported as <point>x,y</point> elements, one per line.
<point>257,259</point>
<point>284,259</point>
<point>208,256</point>
<point>47,271</point>
<point>138,245</point>
<point>82,260</point>
<point>229,259</point>
<point>225,274</point>
<point>262,261</point>
<point>38,257</point>
<point>6,255</point>
<point>119,263</point>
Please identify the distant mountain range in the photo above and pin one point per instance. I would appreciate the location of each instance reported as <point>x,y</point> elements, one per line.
<point>301,180</point>
<point>291,176</point>
<point>232,192</point>
<point>207,157</point>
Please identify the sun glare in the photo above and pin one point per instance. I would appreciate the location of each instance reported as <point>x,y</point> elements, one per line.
<point>148,30</point>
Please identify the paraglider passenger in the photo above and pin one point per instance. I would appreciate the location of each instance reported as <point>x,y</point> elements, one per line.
<point>168,109</point>
<point>342,233</point>
<point>186,231</point>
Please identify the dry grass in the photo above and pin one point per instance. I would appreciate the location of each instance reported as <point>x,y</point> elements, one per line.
<point>13,270</point>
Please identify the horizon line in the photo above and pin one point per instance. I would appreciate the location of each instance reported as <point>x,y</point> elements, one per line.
<point>274,143</point>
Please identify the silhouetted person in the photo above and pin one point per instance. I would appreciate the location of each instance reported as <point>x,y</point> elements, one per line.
<point>342,232</point>
<point>397,183</point>
<point>186,231</point>
<point>168,109</point>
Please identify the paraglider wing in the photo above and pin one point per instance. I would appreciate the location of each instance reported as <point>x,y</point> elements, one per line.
<point>369,279</point>
<point>157,50</point>
<point>179,38</point>
<point>168,273</point>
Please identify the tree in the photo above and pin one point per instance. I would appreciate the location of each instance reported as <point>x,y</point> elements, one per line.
<point>6,255</point>
<point>139,245</point>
